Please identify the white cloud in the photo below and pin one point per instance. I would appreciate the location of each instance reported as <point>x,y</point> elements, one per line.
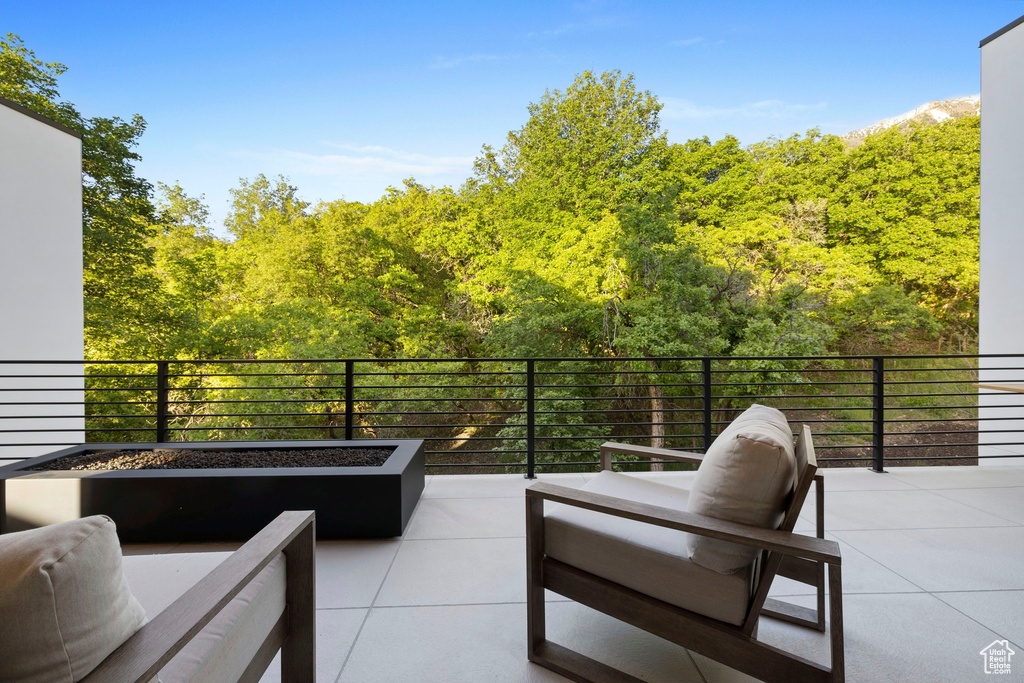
<point>591,15</point>
<point>551,32</point>
<point>686,110</point>
<point>686,42</point>
<point>458,60</point>
<point>415,159</point>
<point>365,162</point>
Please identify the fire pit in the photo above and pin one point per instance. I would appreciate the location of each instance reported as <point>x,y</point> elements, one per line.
<point>219,490</point>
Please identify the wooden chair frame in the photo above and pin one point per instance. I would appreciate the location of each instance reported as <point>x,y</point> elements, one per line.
<point>141,657</point>
<point>783,553</point>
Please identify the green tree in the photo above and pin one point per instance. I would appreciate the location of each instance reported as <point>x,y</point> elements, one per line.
<point>547,207</point>
<point>186,258</point>
<point>591,149</point>
<point>126,312</point>
<point>909,210</point>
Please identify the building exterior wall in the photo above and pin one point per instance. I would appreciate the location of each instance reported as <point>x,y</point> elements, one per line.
<point>1001,325</point>
<point>41,315</point>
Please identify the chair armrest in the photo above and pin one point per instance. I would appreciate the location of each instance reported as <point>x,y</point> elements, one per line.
<point>142,656</point>
<point>607,449</point>
<point>783,542</point>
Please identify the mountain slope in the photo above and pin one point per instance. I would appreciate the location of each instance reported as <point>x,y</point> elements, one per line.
<point>927,114</point>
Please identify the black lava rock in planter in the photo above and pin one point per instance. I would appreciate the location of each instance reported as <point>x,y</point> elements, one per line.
<point>226,502</point>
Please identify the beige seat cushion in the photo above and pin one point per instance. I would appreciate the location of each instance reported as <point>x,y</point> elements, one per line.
<point>225,646</point>
<point>64,601</point>
<point>647,558</point>
<point>746,476</point>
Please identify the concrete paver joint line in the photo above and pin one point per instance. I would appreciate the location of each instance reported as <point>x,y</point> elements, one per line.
<point>451,607</point>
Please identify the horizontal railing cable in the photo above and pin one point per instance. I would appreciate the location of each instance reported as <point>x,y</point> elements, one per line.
<point>526,414</point>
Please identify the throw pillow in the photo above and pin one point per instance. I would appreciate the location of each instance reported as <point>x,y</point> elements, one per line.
<point>64,602</point>
<point>746,476</point>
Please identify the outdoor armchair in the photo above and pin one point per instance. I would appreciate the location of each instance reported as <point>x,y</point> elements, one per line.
<point>274,574</point>
<point>636,550</point>
<point>67,614</point>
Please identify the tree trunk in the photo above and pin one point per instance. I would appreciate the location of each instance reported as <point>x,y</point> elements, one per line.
<point>657,424</point>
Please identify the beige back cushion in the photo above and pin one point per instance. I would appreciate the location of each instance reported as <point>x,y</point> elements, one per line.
<point>64,602</point>
<point>746,476</point>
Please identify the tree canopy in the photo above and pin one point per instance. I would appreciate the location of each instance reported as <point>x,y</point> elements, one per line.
<point>587,234</point>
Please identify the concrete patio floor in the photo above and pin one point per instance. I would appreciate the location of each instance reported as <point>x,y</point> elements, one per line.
<point>933,573</point>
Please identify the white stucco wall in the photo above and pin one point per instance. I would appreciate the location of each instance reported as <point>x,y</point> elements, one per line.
<point>1001,324</point>
<point>41,316</point>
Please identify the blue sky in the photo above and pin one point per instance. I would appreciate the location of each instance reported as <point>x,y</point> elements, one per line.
<point>348,98</point>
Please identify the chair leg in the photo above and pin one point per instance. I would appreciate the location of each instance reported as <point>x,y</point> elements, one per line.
<point>807,572</point>
<point>535,626</point>
<point>539,649</point>
<point>298,655</point>
<point>835,594</point>
<point>819,500</point>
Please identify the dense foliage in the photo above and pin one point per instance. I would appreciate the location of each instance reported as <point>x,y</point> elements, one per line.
<point>586,234</point>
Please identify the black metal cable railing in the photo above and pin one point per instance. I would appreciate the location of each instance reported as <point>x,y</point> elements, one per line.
<point>530,415</point>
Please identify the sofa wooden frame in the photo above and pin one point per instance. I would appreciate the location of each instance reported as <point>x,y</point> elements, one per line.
<point>783,552</point>
<point>141,657</point>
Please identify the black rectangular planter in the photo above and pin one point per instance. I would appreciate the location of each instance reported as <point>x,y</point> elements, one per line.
<point>164,505</point>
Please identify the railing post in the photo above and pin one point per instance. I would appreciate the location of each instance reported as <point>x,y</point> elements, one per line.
<point>531,423</point>
<point>878,414</point>
<point>161,401</point>
<point>349,397</point>
<point>706,402</point>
